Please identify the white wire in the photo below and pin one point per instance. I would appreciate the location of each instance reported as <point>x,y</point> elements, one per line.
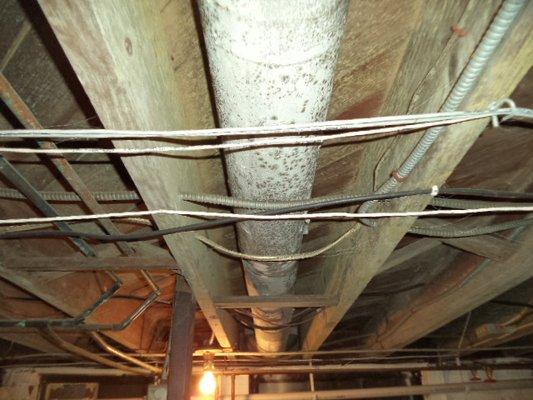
<point>211,214</point>
<point>309,127</point>
<point>294,140</point>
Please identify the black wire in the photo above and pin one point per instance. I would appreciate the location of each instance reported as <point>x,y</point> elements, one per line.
<point>199,226</point>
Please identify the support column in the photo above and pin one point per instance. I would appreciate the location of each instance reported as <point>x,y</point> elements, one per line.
<point>181,342</point>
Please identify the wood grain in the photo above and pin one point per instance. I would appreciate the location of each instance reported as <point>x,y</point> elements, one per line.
<point>130,78</point>
<point>373,245</point>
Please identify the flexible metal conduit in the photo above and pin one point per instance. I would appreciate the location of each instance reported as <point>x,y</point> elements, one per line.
<point>467,81</point>
<point>272,62</point>
<point>122,196</point>
<point>276,205</point>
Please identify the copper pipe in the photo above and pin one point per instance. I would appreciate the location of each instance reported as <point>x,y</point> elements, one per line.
<point>49,333</point>
<point>112,350</point>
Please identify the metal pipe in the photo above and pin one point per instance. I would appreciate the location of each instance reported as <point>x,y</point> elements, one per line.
<point>78,323</point>
<point>393,391</point>
<point>26,117</point>
<point>441,351</point>
<point>25,187</point>
<point>91,356</point>
<point>181,342</point>
<point>22,184</point>
<point>112,350</point>
<point>272,63</point>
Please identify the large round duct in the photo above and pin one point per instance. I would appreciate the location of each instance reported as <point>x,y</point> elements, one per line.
<point>272,62</point>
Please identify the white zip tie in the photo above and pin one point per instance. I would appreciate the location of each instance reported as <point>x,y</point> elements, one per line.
<point>212,214</point>
<point>497,105</point>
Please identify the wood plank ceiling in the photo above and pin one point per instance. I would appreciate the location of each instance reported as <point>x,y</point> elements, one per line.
<point>139,65</point>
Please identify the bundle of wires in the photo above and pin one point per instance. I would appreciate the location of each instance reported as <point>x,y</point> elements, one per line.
<point>300,206</point>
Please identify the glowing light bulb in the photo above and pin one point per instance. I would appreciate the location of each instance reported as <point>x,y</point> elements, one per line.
<point>208,383</point>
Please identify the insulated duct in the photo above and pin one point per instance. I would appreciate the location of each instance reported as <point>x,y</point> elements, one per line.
<point>272,62</point>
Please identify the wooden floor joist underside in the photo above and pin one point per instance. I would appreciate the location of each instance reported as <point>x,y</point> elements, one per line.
<point>141,65</point>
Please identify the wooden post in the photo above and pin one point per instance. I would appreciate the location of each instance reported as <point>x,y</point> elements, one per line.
<point>181,343</point>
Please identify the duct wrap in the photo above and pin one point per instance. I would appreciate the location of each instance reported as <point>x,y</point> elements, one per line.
<point>271,62</point>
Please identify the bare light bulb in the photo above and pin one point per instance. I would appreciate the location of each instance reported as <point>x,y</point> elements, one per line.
<point>208,383</point>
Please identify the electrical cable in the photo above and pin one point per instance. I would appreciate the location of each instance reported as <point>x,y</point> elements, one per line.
<point>247,144</point>
<point>270,217</point>
<point>221,200</point>
<point>205,225</point>
<point>486,193</point>
<point>232,218</point>
<point>465,84</point>
<point>124,196</point>
<point>448,232</point>
<point>277,258</point>
<point>299,128</point>
<point>464,204</point>
<point>30,227</point>
<point>451,232</point>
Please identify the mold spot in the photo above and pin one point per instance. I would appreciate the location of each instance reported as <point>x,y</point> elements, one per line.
<point>128,46</point>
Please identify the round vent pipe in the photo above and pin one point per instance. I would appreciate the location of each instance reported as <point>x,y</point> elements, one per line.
<point>272,62</point>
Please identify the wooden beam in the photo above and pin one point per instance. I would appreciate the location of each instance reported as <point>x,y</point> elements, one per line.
<point>408,252</point>
<point>119,263</point>
<point>495,335</point>
<point>488,246</point>
<point>488,328</point>
<point>294,301</point>
<point>373,245</point>
<point>485,245</point>
<point>140,74</point>
<point>456,293</point>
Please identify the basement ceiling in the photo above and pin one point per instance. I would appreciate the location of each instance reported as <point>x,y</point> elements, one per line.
<point>382,288</point>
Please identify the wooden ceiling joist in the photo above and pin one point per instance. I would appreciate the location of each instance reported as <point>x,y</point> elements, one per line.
<point>463,287</point>
<point>373,245</point>
<point>119,263</point>
<point>126,62</point>
<point>141,65</point>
